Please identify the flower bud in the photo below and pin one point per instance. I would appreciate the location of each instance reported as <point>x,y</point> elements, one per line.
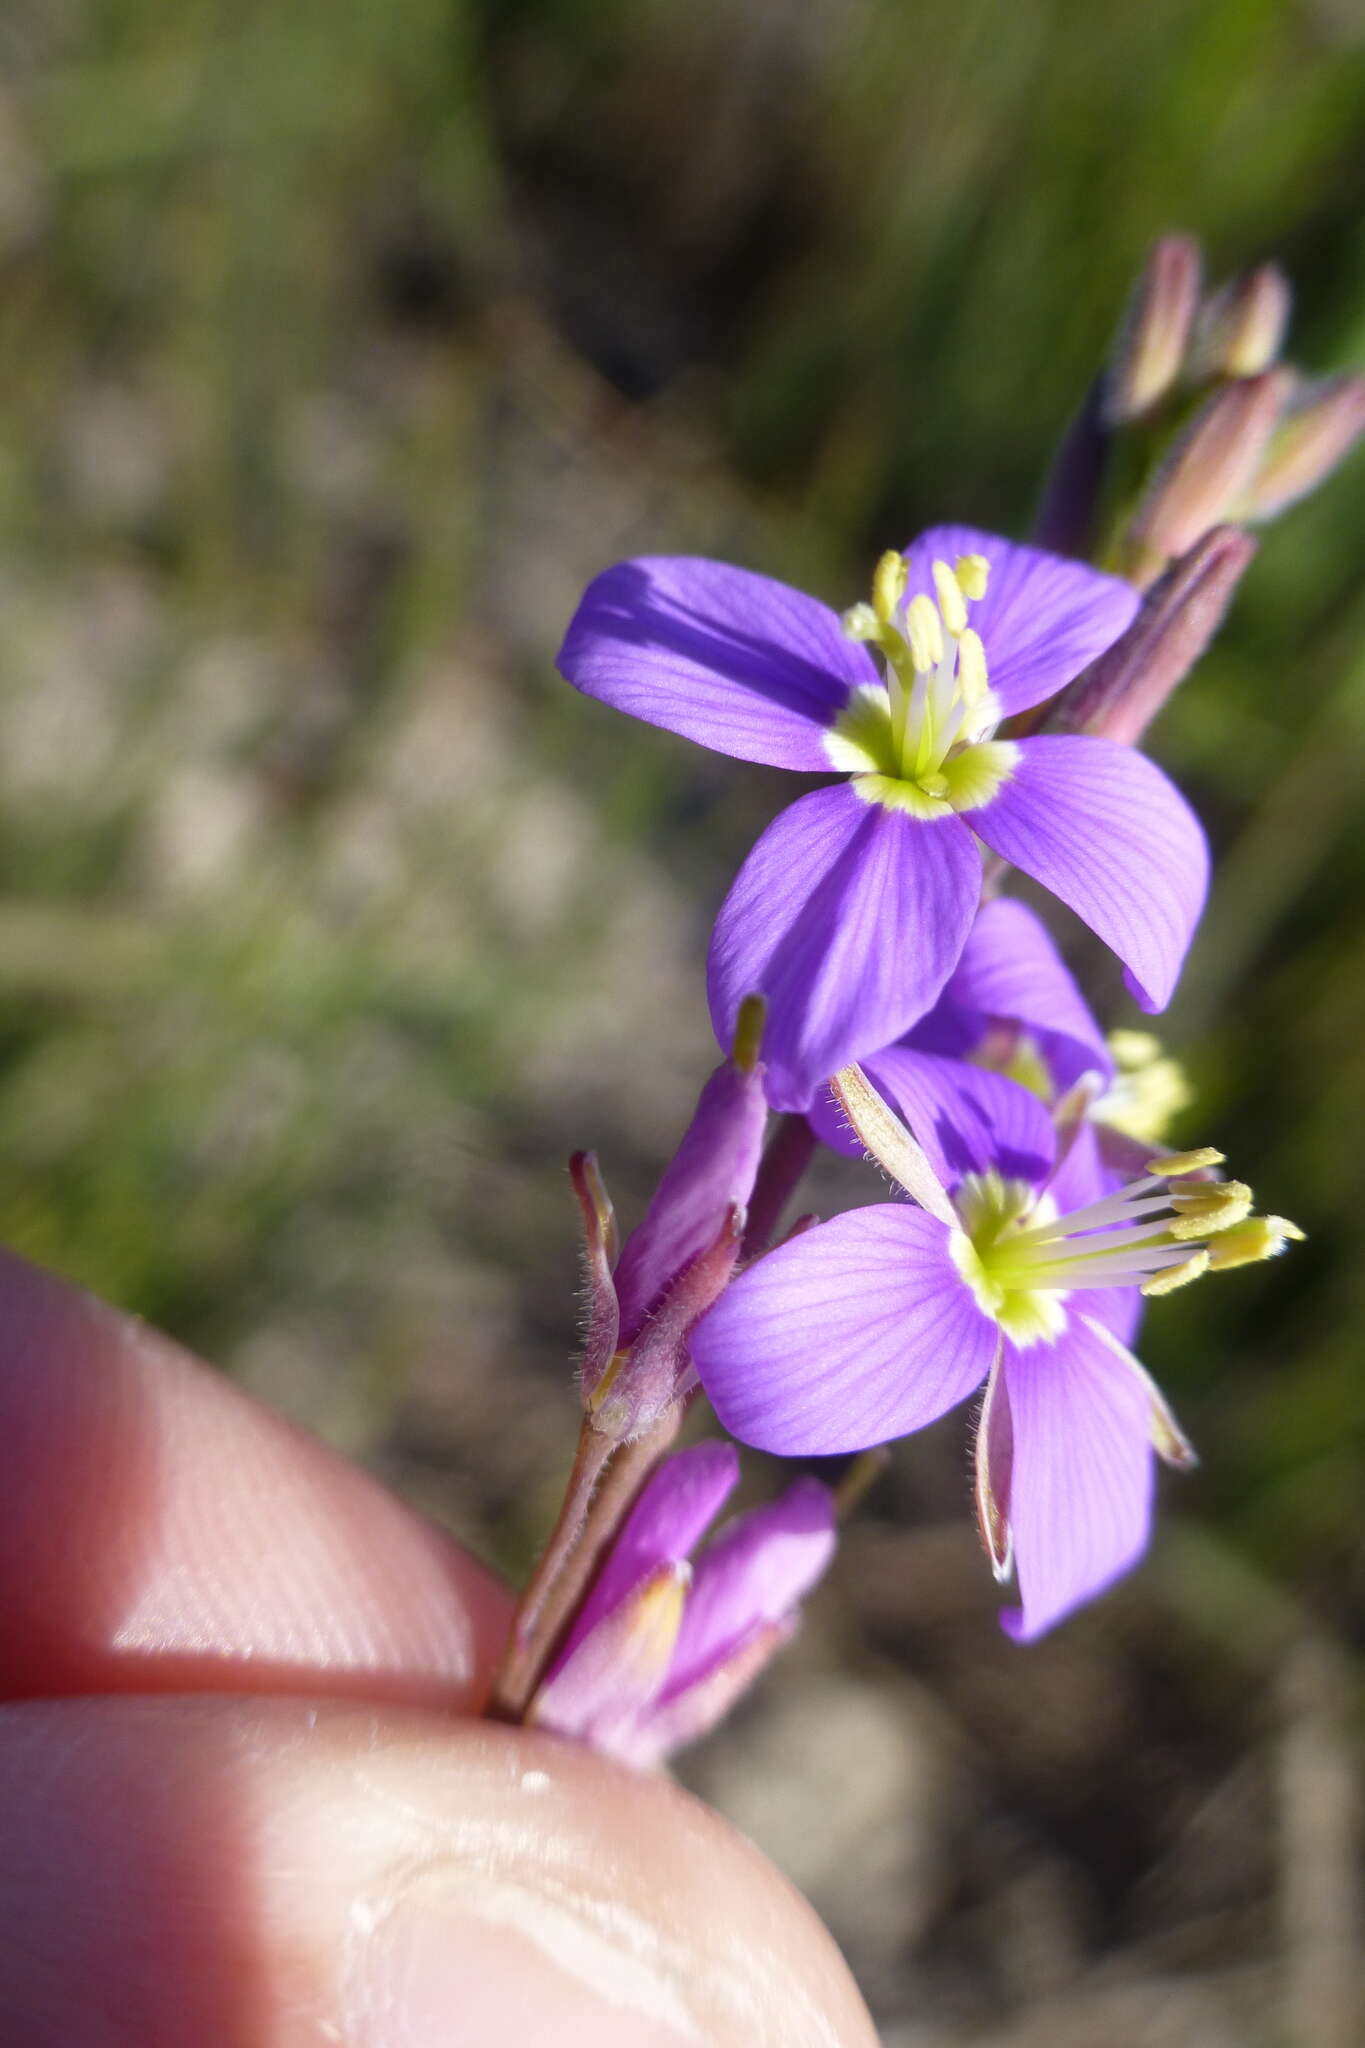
<point>1120,694</point>
<point>1318,429</point>
<point>682,1254</point>
<point>1206,473</point>
<point>1149,348</point>
<point>1242,327</point>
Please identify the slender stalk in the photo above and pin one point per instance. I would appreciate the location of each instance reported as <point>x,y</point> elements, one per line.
<point>603,1485</point>
<point>786,1158</point>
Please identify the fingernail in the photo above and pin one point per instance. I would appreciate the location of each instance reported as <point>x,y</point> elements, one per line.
<point>462,1956</point>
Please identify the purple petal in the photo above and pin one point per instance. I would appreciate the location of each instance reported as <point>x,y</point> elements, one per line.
<point>712,1170</point>
<point>1083,1177</point>
<point>848,918</point>
<point>676,1507</point>
<point>1105,830</point>
<point>855,1332</point>
<point>725,657</point>
<point>966,1118</point>
<point>1081,1478</point>
<point>755,1572</point>
<point>1011,970</point>
<point>1044,617</point>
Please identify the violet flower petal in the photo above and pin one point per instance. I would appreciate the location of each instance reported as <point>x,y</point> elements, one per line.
<point>677,1505</point>
<point>1111,835</point>
<point>1081,1476</point>
<point>1011,969</point>
<point>755,1572</point>
<point>848,918</point>
<point>712,1170</point>
<point>1044,617</point>
<point>966,1118</point>
<point>723,656</point>
<point>857,1331</point>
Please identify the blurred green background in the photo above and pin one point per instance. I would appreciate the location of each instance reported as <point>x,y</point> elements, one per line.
<point>341,345</point>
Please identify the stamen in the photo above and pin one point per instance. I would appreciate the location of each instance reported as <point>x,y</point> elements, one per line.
<point>888,585</point>
<point>925,630</point>
<point>1226,1204</point>
<point>1261,1237</point>
<point>972,680</point>
<point>1177,1276</point>
<point>973,574</point>
<point>860,622</point>
<point>951,603</point>
<point>1177,1163</point>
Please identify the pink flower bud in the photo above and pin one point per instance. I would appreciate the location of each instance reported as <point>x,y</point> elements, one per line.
<point>1207,471</point>
<point>1242,327</point>
<point>1120,694</point>
<point>1149,348</point>
<point>1318,429</point>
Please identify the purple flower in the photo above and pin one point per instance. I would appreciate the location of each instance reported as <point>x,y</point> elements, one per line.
<point>876,1323</point>
<point>851,912</point>
<point>660,1649</point>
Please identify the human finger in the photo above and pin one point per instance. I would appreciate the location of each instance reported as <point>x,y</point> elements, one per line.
<point>270,1874</point>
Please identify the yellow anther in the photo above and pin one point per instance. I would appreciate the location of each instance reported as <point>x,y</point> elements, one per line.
<point>933,784</point>
<point>1177,1163</point>
<point>1260,1237</point>
<point>951,602</point>
<point>971,667</point>
<point>1171,1277</point>
<point>925,629</point>
<point>860,622</point>
<point>973,574</point>
<point>748,1040</point>
<point>888,585</point>
<point>1221,1206</point>
<point>1133,1049</point>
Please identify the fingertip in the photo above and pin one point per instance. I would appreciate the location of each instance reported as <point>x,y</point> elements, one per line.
<point>160,1531</point>
<point>273,1873</point>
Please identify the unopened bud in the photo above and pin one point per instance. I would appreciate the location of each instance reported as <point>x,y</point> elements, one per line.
<point>1242,327</point>
<point>1318,429</point>
<point>1150,345</point>
<point>1120,694</point>
<point>1206,473</point>
<point>1068,514</point>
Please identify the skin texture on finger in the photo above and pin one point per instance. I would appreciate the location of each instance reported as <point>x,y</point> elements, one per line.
<point>270,1875</point>
<point>160,1532</point>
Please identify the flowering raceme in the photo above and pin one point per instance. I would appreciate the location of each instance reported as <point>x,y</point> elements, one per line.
<point>852,910</point>
<point>1015,1273</point>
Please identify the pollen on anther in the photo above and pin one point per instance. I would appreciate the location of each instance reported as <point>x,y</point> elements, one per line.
<point>971,667</point>
<point>1171,1277</point>
<point>951,602</point>
<point>925,629</point>
<point>973,573</point>
<point>1176,1164</point>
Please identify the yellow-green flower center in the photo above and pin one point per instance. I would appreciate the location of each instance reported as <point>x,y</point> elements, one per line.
<point>1021,1259</point>
<point>923,741</point>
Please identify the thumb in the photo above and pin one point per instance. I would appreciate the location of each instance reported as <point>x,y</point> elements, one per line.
<point>265,1874</point>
